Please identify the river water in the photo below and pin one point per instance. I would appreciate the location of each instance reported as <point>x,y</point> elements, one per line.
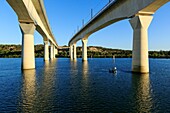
<point>64,86</point>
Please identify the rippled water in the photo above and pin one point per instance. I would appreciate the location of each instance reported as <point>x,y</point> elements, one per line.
<point>64,86</point>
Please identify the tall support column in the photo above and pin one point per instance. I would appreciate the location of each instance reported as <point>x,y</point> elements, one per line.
<point>28,55</point>
<point>140,26</point>
<point>46,51</point>
<point>71,52</point>
<point>51,51</point>
<point>74,52</point>
<point>84,49</point>
<point>56,51</point>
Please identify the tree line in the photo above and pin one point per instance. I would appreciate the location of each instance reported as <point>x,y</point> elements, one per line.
<point>14,51</point>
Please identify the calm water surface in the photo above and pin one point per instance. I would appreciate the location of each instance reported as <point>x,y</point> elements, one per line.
<point>64,86</point>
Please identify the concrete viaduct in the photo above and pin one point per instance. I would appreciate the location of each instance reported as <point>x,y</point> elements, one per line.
<point>140,14</point>
<point>32,16</point>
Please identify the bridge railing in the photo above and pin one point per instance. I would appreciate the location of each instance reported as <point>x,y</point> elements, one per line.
<point>97,14</point>
<point>103,9</point>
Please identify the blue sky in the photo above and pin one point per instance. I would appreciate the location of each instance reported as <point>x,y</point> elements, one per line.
<point>66,15</point>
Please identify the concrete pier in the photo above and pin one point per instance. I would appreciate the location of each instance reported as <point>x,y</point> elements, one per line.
<point>84,49</point>
<point>71,52</point>
<point>74,52</point>
<point>46,51</point>
<point>51,51</point>
<point>56,51</point>
<point>28,55</point>
<point>140,26</point>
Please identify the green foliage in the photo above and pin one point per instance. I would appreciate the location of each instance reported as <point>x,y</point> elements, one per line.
<point>14,51</point>
<point>100,52</point>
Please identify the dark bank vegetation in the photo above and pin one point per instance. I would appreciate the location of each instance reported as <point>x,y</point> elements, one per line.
<point>14,51</point>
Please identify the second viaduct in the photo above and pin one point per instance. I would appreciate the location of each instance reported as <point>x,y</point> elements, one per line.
<point>140,13</point>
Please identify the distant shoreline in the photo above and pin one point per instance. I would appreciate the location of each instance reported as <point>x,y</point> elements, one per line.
<point>14,51</point>
<point>80,58</point>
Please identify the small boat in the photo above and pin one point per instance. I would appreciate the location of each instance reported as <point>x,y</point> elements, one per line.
<point>113,70</point>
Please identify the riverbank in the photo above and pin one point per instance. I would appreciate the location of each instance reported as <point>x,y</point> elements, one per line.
<point>14,51</point>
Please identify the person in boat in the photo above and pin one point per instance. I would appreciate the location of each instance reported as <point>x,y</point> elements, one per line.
<point>114,70</point>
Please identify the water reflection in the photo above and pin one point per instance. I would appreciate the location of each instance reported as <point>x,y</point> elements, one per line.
<point>85,85</point>
<point>142,92</point>
<point>57,88</point>
<point>50,65</point>
<point>74,65</point>
<point>38,91</point>
<point>74,69</point>
<point>47,88</point>
<point>46,64</point>
<point>85,76</point>
<point>85,70</point>
<point>28,90</point>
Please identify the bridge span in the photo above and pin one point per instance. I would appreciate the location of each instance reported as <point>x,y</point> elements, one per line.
<point>32,16</point>
<point>140,14</point>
